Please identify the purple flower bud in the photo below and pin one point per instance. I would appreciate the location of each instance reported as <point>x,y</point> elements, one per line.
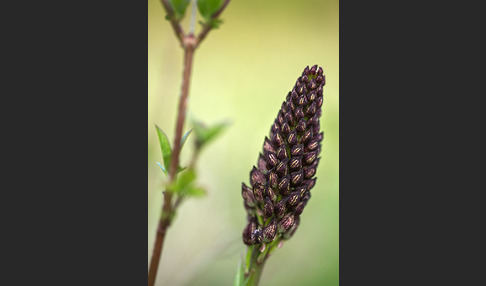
<point>313,144</point>
<point>290,106</point>
<point>292,138</point>
<point>299,209</point>
<point>280,209</point>
<point>297,150</point>
<point>310,157</point>
<point>312,84</point>
<point>295,163</point>
<point>311,109</point>
<point>296,178</point>
<point>307,135</point>
<point>315,130</point>
<point>267,208</point>
<point>301,89</point>
<point>319,91</point>
<point>289,233</point>
<point>310,183</point>
<point>283,108</point>
<point>306,71</point>
<point>314,120</point>
<point>282,168</point>
<point>286,223</point>
<point>284,185</point>
<point>249,229</point>
<point>280,120</point>
<point>247,195</point>
<point>271,159</point>
<point>270,231</point>
<point>302,101</point>
<point>301,126</point>
<point>262,163</point>
<point>299,113</point>
<point>278,139</point>
<point>282,152</point>
<point>268,146</point>
<point>272,178</point>
<point>301,190</point>
<point>294,198</point>
<point>257,177</point>
<point>269,193</point>
<point>294,96</point>
<point>290,118</point>
<point>275,127</point>
<point>258,192</point>
<point>285,128</point>
<point>309,172</point>
<point>311,96</point>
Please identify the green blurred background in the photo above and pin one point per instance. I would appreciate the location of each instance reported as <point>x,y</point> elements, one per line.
<point>242,73</point>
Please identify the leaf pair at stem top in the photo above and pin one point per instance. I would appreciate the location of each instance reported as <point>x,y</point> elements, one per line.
<point>207,8</point>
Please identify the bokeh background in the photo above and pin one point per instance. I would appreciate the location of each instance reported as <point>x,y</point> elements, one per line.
<point>242,73</point>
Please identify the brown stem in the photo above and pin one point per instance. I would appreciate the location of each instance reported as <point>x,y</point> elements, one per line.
<point>179,32</point>
<point>167,209</point>
<point>157,252</point>
<point>189,43</point>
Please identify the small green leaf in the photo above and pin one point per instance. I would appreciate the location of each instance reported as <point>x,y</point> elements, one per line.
<point>196,192</point>
<point>208,7</point>
<point>184,138</point>
<point>183,183</point>
<point>162,167</point>
<point>179,7</point>
<point>165,147</point>
<point>213,23</point>
<point>239,274</point>
<point>206,134</point>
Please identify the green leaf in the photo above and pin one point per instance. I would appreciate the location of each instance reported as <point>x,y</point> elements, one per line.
<point>204,134</point>
<point>208,7</point>
<point>239,274</point>
<point>184,138</point>
<point>164,146</point>
<point>183,183</point>
<point>162,167</point>
<point>196,192</point>
<point>179,7</point>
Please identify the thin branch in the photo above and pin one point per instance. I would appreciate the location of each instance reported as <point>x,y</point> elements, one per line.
<point>208,27</point>
<point>168,209</point>
<point>179,32</point>
<point>221,9</point>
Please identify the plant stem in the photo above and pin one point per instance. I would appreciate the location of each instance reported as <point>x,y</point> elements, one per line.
<point>179,32</point>
<point>189,43</point>
<point>167,209</point>
<point>159,243</point>
<point>255,268</point>
<point>255,262</point>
